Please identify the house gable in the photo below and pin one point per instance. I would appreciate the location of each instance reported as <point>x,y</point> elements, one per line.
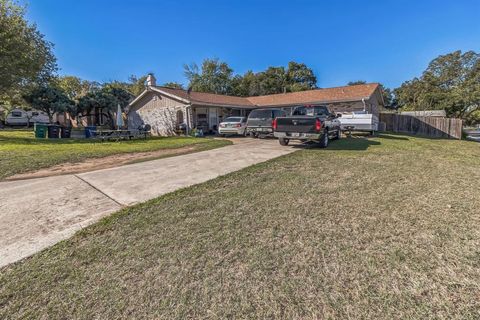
<point>157,110</point>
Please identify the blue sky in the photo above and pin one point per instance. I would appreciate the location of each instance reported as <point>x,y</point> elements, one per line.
<point>378,41</point>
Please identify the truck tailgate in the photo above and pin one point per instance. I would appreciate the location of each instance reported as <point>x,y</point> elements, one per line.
<point>296,124</point>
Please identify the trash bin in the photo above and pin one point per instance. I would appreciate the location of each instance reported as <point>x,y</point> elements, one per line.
<point>40,130</point>
<point>53,131</point>
<point>90,131</point>
<point>65,132</point>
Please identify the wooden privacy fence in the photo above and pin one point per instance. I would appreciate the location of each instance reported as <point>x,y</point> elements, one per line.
<point>437,127</point>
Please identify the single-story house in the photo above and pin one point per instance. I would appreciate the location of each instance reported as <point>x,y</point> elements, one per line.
<point>166,109</point>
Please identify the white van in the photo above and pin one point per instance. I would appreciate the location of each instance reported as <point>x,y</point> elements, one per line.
<point>20,117</point>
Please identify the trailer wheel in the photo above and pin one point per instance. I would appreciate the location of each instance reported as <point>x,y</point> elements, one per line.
<point>324,140</point>
<point>338,135</point>
<point>283,141</point>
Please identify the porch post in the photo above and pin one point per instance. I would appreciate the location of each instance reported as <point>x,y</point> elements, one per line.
<point>187,113</point>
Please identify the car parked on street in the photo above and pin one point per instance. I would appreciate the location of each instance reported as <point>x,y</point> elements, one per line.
<point>233,125</point>
<point>260,121</point>
<point>308,123</point>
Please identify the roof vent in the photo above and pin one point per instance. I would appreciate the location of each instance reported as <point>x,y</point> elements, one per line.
<point>151,81</point>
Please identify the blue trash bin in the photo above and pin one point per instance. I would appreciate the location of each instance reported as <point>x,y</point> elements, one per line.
<point>90,131</point>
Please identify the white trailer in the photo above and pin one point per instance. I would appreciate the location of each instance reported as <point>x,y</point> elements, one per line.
<point>20,117</point>
<point>359,121</point>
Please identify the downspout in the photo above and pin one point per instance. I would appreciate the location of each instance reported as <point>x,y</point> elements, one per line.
<point>364,105</point>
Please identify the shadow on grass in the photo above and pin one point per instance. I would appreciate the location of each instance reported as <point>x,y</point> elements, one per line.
<point>355,143</point>
<point>390,136</point>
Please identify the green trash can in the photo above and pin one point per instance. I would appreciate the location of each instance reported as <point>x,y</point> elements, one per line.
<point>40,130</point>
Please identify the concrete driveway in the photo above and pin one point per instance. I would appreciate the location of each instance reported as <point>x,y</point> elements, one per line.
<point>38,213</point>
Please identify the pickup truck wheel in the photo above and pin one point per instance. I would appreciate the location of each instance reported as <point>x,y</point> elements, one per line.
<point>324,140</point>
<point>283,141</point>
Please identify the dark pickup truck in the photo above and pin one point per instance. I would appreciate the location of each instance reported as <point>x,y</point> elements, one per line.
<point>308,123</point>
<point>260,121</point>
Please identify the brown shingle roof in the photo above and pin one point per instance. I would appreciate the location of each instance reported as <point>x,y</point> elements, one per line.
<point>347,93</point>
<point>208,98</point>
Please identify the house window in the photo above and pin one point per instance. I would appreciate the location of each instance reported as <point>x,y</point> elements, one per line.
<point>179,117</point>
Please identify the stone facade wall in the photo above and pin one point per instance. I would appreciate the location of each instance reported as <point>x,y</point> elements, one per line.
<point>159,112</point>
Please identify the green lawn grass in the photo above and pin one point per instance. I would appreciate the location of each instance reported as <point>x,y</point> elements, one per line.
<point>370,228</point>
<point>21,152</point>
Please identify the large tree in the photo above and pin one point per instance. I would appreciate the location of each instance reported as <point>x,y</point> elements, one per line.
<point>214,76</point>
<point>451,82</point>
<point>217,77</point>
<point>74,87</point>
<point>300,77</point>
<point>174,85</point>
<point>273,80</point>
<point>297,77</point>
<point>26,58</point>
<point>107,99</point>
<point>136,85</point>
<point>247,85</point>
<point>49,99</point>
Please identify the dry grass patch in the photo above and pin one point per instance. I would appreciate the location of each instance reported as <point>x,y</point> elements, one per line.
<point>370,228</point>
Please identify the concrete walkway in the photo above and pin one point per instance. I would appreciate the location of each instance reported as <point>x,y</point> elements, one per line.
<point>38,213</point>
